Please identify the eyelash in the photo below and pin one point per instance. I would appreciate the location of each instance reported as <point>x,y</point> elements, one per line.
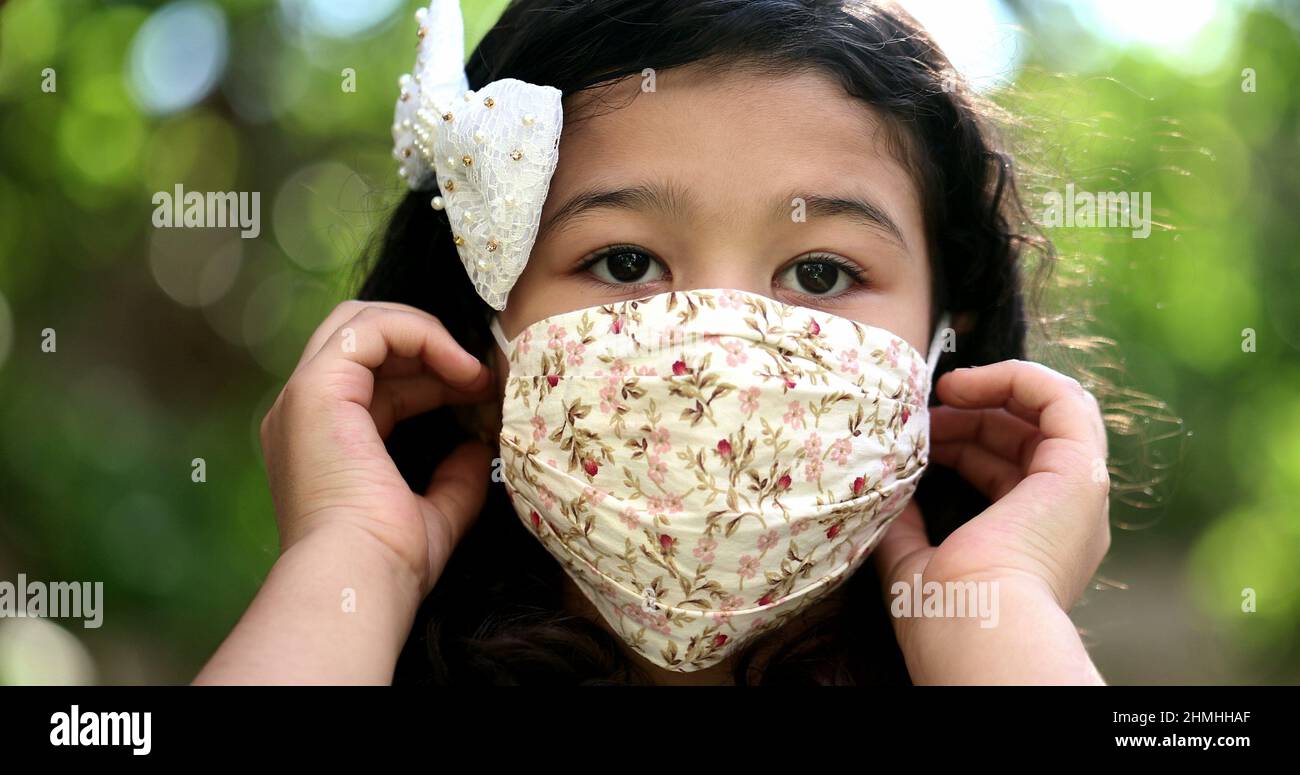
<point>853,270</point>
<point>843,264</point>
<point>586,264</point>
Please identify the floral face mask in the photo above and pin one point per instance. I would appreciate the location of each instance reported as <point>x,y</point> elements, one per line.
<point>705,464</point>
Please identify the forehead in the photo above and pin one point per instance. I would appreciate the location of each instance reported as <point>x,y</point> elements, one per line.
<point>731,140</point>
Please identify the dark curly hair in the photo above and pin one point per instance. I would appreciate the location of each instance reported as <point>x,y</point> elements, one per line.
<point>496,615</point>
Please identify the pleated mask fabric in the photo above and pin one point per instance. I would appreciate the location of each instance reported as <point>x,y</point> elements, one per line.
<point>705,464</point>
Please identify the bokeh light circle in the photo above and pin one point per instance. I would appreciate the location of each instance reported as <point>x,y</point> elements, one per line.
<point>337,18</point>
<point>178,55</point>
<point>980,37</point>
<point>195,267</point>
<point>38,652</point>
<point>319,216</point>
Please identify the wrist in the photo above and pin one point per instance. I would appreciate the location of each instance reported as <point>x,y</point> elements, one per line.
<point>344,544</point>
<point>989,629</point>
<point>913,602</point>
<point>334,609</point>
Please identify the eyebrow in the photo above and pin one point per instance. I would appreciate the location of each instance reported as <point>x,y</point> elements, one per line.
<point>675,202</point>
<point>856,208</point>
<point>664,198</point>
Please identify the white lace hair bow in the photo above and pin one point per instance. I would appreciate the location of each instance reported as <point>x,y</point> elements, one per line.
<point>491,153</point>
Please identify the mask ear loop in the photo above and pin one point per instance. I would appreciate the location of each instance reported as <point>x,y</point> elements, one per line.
<point>499,335</point>
<point>936,348</point>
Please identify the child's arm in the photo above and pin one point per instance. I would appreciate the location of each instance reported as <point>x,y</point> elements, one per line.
<point>1033,642</point>
<point>359,549</point>
<point>1033,441</point>
<point>334,609</point>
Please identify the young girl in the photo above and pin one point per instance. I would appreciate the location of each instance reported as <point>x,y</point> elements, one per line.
<point>733,165</point>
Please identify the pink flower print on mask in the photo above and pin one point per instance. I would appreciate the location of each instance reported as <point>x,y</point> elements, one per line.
<point>723,617</point>
<point>731,300</point>
<point>749,400</point>
<point>658,469</point>
<point>768,540</point>
<point>629,517</point>
<point>576,349</point>
<point>557,334</point>
<point>748,567</point>
<point>892,352</point>
<point>608,401</point>
<point>735,353</point>
<point>849,361</point>
<point>546,497</point>
<point>704,549</point>
<point>525,342</point>
<point>839,451</point>
<point>887,464</point>
<point>812,449</point>
<point>794,416</point>
<point>656,622</point>
<point>916,379</point>
<point>661,439</point>
<point>812,446</point>
<point>539,428</point>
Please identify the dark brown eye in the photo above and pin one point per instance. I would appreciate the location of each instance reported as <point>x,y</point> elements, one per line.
<point>820,276</point>
<point>626,266</point>
<point>817,277</point>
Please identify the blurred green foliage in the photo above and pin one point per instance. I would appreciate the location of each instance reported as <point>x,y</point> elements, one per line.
<point>171,344</point>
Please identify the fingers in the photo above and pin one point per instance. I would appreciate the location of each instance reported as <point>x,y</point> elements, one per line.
<point>1062,472</point>
<point>1013,419</point>
<point>398,398</point>
<point>401,367</point>
<point>1058,404</point>
<point>993,475</point>
<point>997,430</point>
<point>374,335</point>
<point>340,315</point>
<point>456,494</point>
<point>990,448</point>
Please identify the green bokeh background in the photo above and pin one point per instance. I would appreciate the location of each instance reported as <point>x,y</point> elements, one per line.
<point>171,344</point>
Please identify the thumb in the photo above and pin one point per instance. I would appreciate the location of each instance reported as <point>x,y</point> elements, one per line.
<point>455,496</point>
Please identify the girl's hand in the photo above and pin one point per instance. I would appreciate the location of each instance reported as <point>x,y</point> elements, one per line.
<point>1033,441</point>
<point>368,366</point>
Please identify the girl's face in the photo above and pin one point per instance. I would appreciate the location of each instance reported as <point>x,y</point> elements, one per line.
<point>781,186</point>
